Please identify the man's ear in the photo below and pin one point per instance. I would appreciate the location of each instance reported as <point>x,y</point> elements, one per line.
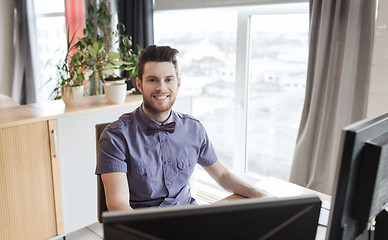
<point>138,85</point>
<point>179,82</point>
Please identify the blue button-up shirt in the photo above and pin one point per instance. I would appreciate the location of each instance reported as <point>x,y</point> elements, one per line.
<point>158,166</point>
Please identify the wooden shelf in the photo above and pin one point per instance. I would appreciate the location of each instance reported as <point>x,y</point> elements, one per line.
<point>35,112</point>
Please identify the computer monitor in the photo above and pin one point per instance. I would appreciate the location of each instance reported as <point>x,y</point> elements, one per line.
<point>278,218</point>
<point>361,191</point>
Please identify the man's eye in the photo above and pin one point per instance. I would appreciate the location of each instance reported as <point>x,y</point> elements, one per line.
<point>169,80</point>
<point>151,80</point>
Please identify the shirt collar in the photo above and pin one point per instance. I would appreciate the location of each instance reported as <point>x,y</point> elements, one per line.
<point>145,120</point>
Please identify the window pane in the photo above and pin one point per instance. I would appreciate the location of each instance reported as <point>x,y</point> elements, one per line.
<point>278,66</point>
<point>206,40</point>
<point>51,36</point>
<point>49,6</point>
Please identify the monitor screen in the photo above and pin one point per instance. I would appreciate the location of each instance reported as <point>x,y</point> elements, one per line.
<point>277,218</point>
<point>362,178</point>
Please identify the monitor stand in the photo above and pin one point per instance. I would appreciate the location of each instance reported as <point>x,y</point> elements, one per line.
<point>381,230</point>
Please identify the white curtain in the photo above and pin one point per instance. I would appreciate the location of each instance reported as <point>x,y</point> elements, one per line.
<point>341,42</point>
<point>26,59</point>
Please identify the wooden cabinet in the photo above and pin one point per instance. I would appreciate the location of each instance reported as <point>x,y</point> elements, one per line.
<point>30,200</point>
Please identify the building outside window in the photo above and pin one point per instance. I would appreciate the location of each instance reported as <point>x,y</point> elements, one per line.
<point>276,89</point>
<point>251,107</point>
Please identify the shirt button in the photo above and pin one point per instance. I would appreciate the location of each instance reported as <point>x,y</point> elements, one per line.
<point>163,140</point>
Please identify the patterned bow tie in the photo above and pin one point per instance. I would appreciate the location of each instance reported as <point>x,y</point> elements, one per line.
<point>154,128</point>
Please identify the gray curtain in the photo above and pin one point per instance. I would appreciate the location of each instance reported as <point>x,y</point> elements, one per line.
<point>341,41</point>
<point>25,54</point>
<point>137,16</point>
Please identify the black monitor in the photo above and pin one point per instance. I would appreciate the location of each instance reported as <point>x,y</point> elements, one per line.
<point>278,218</point>
<point>361,192</point>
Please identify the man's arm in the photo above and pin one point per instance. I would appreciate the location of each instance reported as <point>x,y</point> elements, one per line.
<point>116,191</point>
<point>231,182</point>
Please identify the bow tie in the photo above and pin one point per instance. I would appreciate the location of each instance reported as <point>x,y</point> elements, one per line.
<point>154,128</point>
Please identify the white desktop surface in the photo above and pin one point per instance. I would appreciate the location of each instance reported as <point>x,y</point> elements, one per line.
<point>280,188</point>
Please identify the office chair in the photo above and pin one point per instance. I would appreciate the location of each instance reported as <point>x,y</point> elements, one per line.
<point>101,203</point>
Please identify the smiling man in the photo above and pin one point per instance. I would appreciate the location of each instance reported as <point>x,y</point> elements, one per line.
<point>147,156</point>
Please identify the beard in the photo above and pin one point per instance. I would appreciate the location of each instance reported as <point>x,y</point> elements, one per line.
<point>155,108</point>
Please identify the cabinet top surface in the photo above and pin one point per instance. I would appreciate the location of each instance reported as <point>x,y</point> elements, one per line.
<point>29,113</point>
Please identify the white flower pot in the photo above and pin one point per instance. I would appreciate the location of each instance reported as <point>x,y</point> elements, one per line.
<point>115,92</point>
<point>72,96</point>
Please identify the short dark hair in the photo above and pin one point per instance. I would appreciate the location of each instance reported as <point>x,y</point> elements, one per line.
<point>155,53</point>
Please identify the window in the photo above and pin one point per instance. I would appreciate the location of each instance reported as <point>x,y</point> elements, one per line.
<point>277,77</point>
<point>246,69</point>
<point>51,39</point>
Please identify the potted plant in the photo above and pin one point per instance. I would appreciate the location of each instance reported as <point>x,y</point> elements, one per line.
<point>100,60</point>
<point>70,77</point>
<point>103,64</point>
<point>128,56</point>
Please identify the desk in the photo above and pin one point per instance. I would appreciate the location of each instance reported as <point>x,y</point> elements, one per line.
<point>280,188</point>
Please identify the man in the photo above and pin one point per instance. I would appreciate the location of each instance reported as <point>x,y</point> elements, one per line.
<point>146,157</point>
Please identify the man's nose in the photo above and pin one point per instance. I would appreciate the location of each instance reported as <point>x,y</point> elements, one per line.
<point>161,86</point>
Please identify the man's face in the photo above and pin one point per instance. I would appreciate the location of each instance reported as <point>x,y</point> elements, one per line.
<point>159,87</point>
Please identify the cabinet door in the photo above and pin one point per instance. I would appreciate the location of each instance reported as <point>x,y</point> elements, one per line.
<point>27,173</point>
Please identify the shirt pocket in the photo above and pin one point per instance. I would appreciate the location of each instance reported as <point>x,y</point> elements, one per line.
<point>143,183</point>
<point>142,172</point>
<point>185,167</point>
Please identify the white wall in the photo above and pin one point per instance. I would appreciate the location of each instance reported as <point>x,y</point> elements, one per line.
<point>378,90</point>
<point>6,51</point>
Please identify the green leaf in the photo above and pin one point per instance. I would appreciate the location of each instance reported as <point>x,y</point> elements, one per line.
<point>95,48</point>
<point>82,42</point>
<point>83,54</point>
<point>91,50</point>
<point>88,73</point>
<point>113,55</point>
<point>101,49</point>
<point>109,66</point>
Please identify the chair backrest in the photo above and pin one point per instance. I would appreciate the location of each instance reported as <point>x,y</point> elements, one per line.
<point>101,203</point>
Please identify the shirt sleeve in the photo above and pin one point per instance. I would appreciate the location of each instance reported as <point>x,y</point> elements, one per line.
<point>111,155</point>
<point>207,154</point>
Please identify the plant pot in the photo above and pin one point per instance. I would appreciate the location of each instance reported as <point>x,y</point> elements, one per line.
<point>115,92</point>
<point>72,96</point>
<point>115,80</point>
